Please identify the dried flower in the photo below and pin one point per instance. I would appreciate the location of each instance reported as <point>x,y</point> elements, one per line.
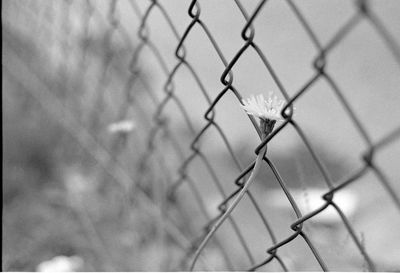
<point>266,109</point>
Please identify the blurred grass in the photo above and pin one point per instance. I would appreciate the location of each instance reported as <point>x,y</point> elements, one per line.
<point>53,204</point>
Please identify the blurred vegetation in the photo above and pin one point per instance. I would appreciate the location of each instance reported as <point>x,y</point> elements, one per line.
<point>51,200</point>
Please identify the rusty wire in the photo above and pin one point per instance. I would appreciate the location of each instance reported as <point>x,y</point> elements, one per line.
<point>173,180</point>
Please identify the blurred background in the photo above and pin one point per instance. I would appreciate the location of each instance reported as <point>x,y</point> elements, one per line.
<point>112,161</point>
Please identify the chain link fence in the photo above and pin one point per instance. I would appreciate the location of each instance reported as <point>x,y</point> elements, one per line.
<point>155,151</point>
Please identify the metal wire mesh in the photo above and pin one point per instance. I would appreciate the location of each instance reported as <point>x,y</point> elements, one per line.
<point>156,173</point>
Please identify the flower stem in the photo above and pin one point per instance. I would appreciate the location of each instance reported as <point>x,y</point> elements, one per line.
<point>266,129</point>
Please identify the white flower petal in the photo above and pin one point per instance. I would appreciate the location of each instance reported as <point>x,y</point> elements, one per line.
<point>262,108</point>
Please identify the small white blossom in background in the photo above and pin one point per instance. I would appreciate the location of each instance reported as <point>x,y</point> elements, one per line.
<point>61,264</point>
<point>77,183</point>
<point>265,109</point>
<point>123,126</point>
